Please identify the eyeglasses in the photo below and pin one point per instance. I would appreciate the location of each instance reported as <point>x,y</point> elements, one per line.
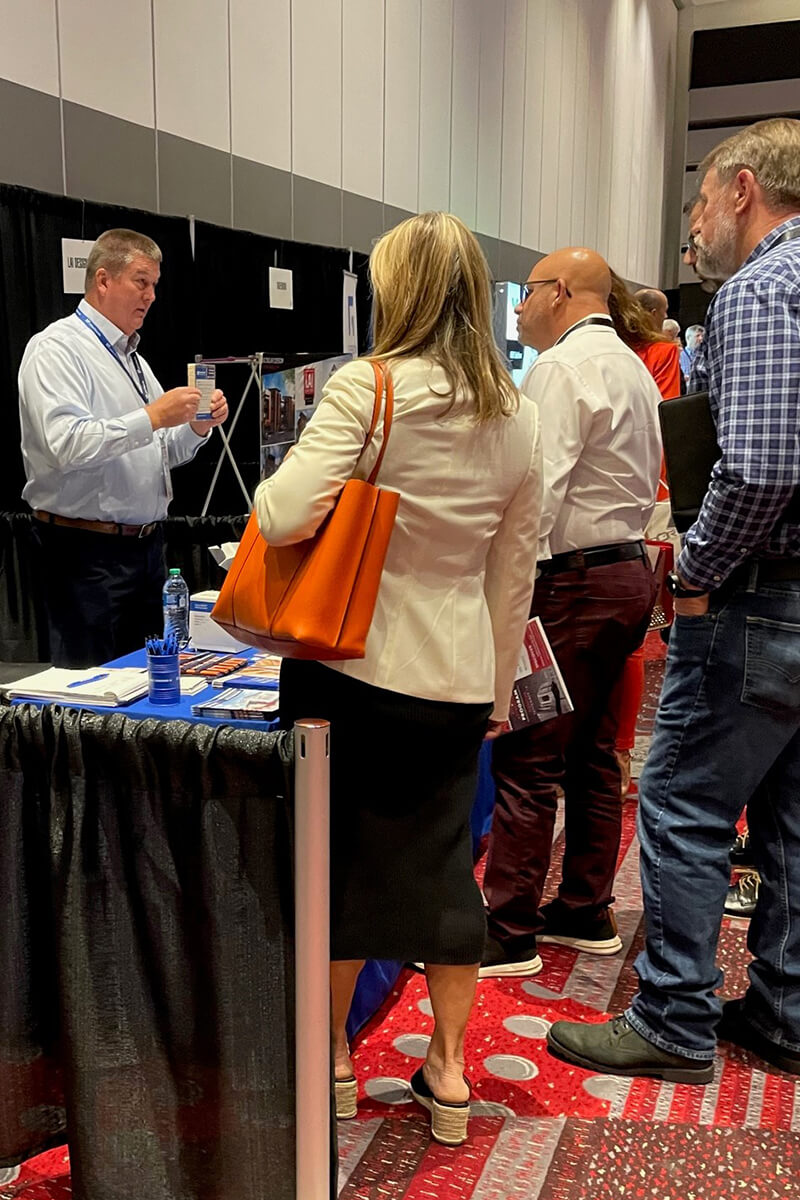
<point>689,244</point>
<point>527,288</point>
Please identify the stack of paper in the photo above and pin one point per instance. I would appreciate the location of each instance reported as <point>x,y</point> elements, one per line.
<point>103,687</point>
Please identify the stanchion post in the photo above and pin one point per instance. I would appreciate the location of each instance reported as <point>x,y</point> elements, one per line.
<point>312,956</point>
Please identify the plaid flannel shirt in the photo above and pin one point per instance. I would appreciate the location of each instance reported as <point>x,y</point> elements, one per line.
<point>751,367</point>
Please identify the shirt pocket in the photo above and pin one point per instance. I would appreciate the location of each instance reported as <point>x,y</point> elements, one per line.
<point>772,665</point>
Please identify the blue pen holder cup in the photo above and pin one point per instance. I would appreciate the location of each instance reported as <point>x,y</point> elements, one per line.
<point>163,679</point>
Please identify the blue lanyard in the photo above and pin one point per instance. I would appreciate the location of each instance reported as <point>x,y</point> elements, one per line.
<point>141,387</point>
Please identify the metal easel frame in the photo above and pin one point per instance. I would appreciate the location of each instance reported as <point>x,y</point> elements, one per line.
<point>256,363</point>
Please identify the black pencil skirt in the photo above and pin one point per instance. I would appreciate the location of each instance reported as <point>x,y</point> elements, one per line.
<point>403,778</point>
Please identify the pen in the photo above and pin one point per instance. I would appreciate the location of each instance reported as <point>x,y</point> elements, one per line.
<point>91,679</point>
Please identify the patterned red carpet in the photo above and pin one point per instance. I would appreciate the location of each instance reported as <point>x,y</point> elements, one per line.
<point>545,1131</point>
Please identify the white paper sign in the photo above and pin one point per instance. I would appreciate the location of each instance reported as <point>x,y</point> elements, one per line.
<point>74,256</point>
<point>349,317</point>
<point>281,291</point>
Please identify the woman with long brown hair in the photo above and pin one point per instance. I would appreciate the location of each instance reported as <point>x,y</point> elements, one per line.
<point>407,720</point>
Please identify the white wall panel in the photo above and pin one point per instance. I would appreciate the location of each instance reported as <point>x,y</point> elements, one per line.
<point>552,119</point>
<point>608,53</point>
<point>363,96</point>
<point>317,90</point>
<point>490,118</point>
<point>513,147</point>
<point>639,176</point>
<point>107,57</point>
<point>571,100</point>
<point>28,44</point>
<point>625,100</point>
<point>401,117</point>
<point>464,121</point>
<point>534,123</point>
<point>595,18</point>
<point>192,63</point>
<point>576,234</point>
<point>436,62</point>
<point>261,64</point>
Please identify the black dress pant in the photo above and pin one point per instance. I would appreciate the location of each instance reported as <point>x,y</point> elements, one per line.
<point>102,592</point>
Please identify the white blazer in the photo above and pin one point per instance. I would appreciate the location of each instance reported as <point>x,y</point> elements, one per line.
<point>457,585</point>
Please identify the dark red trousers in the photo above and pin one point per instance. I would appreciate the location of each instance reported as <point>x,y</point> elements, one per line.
<point>594,619</point>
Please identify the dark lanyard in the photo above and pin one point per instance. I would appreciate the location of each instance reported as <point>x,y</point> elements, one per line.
<point>141,387</point>
<point>609,324</point>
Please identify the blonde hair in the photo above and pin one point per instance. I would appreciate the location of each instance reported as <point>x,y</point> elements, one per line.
<point>431,288</point>
<point>631,319</point>
<point>115,249</point>
<point>771,150</point>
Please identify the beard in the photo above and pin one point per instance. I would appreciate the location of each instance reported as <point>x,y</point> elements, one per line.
<point>717,260</point>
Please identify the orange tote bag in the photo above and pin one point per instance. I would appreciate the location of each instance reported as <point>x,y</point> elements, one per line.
<point>315,599</point>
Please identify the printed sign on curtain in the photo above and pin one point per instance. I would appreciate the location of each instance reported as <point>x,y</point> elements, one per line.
<point>74,256</point>
<point>349,316</point>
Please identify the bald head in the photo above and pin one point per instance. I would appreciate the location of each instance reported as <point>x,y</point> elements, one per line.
<point>655,304</point>
<point>584,271</point>
<point>563,287</point>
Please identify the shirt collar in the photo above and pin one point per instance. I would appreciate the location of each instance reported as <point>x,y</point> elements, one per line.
<point>121,342</point>
<point>772,238</point>
<point>604,316</point>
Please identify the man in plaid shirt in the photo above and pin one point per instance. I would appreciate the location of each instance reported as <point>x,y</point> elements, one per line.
<point>727,732</point>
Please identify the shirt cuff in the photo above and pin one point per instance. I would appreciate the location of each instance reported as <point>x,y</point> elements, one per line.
<point>695,576</point>
<point>139,427</point>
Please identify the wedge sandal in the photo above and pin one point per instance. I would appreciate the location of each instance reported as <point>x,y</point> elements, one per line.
<point>448,1121</point>
<point>346,1093</point>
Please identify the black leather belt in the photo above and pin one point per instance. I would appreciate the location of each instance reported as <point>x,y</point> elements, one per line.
<point>769,570</point>
<point>113,527</point>
<point>594,556</point>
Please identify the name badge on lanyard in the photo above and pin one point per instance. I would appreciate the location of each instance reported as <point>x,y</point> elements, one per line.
<point>165,464</point>
<point>141,390</point>
<point>139,387</point>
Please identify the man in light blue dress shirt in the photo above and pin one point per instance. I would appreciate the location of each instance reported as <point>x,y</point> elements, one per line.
<point>99,439</point>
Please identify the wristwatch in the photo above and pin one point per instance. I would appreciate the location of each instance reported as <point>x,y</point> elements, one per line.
<point>676,588</point>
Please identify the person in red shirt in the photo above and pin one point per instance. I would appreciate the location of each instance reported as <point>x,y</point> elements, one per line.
<point>640,328</point>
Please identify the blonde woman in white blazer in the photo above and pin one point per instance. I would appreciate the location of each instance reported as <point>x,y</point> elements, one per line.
<point>408,719</point>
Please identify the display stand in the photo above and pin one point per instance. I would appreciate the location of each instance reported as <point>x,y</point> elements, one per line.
<point>256,363</point>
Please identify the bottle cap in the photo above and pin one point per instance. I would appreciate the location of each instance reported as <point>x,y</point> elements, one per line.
<point>174,570</point>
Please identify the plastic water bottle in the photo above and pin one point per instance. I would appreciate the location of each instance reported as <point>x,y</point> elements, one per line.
<point>176,606</point>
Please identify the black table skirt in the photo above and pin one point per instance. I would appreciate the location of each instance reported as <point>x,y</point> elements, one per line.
<point>146,964</point>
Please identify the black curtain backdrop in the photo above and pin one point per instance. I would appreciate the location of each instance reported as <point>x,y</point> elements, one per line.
<point>214,303</point>
<point>146,960</point>
<point>23,621</point>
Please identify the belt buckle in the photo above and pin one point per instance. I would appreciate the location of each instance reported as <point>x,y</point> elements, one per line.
<point>143,531</point>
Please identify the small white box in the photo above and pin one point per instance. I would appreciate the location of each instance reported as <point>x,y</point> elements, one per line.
<point>204,632</point>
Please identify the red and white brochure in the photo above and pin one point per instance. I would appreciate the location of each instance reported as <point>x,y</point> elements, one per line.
<point>540,693</point>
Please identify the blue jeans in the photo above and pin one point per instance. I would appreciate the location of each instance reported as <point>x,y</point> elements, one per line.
<point>727,735</point>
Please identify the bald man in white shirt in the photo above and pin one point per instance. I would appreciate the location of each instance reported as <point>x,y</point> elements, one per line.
<point>602,455</point>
